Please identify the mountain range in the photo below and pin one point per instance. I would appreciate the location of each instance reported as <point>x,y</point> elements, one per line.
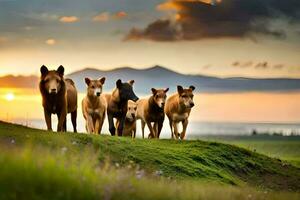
<point>160,77</point>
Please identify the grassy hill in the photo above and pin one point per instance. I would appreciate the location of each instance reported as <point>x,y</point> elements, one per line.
<point>281,147</point>
<point>36,164</point>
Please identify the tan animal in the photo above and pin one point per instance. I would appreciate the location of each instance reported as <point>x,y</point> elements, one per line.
<point>151,110</point>
<point>59,97</point>
<point>178,109</point>
<point>94,105</point>
<point>117,105</point>
<point>130,120</point>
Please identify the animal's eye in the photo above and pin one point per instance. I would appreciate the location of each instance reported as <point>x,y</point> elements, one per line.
<point>93,87</point>
<point>184,96</point>
<point>192,96</point>
<point>135,108</point>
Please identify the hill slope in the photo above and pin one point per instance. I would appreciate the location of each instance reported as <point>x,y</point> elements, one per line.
<point>161,77</point>
<point>182,160</point>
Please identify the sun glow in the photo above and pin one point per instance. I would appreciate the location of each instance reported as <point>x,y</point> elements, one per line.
<point>10,96</point>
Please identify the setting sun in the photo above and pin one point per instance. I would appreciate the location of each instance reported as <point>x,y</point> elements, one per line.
<point>10,96</point>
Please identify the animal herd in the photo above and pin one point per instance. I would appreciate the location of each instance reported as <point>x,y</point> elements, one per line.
<point>59,96</point>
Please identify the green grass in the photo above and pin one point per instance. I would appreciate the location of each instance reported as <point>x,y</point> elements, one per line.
<point>36,164</point>
<point>281,147</point>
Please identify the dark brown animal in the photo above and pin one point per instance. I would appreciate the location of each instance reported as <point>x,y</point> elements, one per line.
<point>152,111</point>
<point>117,105</point>
<point>59,97</point>
<point>178,109</point>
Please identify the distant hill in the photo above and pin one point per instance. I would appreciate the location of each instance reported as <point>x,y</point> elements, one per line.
<point>160,77</point>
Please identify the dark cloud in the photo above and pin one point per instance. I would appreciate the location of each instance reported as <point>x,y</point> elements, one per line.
<point>195,20</point>
<point>242,64</point>
<point>259,65</point>
<point>262,65</point>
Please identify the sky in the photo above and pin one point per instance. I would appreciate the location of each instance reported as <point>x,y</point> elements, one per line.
<point>251,38</point>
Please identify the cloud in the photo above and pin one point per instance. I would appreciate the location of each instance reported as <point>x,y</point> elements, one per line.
<point>68,19</point>
<point>262,65</point>
<point>120,15</point>
<point>106,16</point>
<point>50,41</point>
<point>204,19</point>
<point>258,65</point>
<point>102,17</point>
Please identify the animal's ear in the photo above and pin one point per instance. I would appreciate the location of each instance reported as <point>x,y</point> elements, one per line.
<point>87,81</point>
<point>61,70</point>
<point>102,80</point>
<point>119,83</point>
<point>179,89</point>
<point>44,70</point>
<point>166,90</point>
<point>192,87</point>
<point>131,82</point>
<point>154,91</point>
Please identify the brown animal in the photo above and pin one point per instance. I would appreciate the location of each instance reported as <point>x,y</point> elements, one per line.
<point>130,120</point>
<point>94,105</point>
<point>151,110</point>
<point>117,105</point>
<point>59,97</point>
<point>178,109</point>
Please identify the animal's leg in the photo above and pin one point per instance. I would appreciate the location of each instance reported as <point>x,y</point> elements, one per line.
<point>121,126</point>
<point>143,124</point>
<point>184,125</point>
<point>160,125</point>
<point>175,129</point>
<point>48,120</point>
<point>171,126</point>
<point>112,128</point>
<point>101,121</point>
<point>61,120</point>
<point>74,122</point>
<point>155,128</point>
<point>97,126</point>
<point>152,134</point>
<point>134,133</point>
<point>90,124</point>
<point>65,125</point>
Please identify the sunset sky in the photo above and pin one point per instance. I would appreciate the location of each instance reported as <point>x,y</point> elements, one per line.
<point>253,38</point>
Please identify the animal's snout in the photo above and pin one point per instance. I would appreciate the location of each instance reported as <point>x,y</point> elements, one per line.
<point>53,90</point>
<point>135,99</point>
<point>97,92</point>
<point>162,104</point>
<point>192,104</point>
<point>133,115</point>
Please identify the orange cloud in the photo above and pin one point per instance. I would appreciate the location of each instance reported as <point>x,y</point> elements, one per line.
<point>69,19</point>
<point>173,4</point>
<point>106,16</point>
<point>102,17</point>
<point>50,41</point>
<point>120,15</point>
